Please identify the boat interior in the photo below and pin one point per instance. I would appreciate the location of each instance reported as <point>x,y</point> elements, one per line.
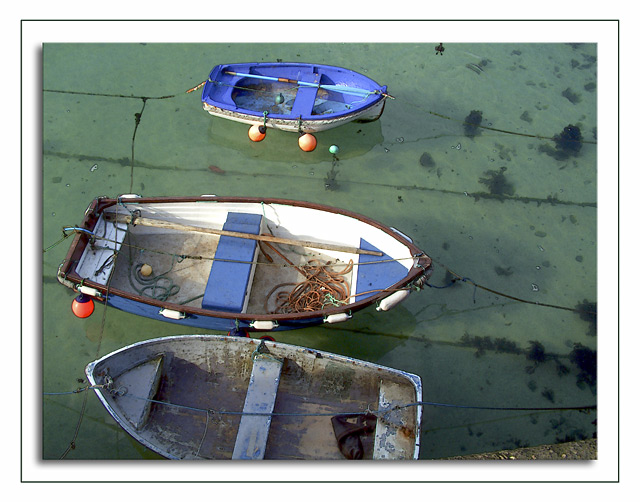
<point>284,99</point>
<point>281,99</point>
<point>243,275</point>
<point>310,394</point>
<point>189,269</point>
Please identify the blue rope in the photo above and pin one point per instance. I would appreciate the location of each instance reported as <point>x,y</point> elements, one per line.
<point>463,279</point>
<point>78,229</point>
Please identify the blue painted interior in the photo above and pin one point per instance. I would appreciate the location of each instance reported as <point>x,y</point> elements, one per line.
<point>377,275</point>
<point>218,91</point>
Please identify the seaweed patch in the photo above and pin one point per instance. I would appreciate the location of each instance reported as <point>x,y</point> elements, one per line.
<point>536,353</point>
<point>471,123</point>
<point>497,182</point>
<point>426,160</point>
<point>548,393</point>
<point>586,361</point>
<point>568,143</point>
<point>480,343</point>
<point>484,343</point>
<point>588,312</point>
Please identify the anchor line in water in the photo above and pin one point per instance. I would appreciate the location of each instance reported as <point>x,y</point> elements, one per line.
<point>138,116</point>
<point>504,131</point>
<point>440,115</point>
<point>106,95</point>
<point>72,443</point>
<point>121,392</point>
<point>522,300</point>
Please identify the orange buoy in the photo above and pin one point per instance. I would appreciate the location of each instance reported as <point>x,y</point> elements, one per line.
<point>82,306</point>
<point>307,142</point>
<point>257,132</point>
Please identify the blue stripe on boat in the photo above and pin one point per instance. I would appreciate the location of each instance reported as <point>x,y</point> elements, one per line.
<point>228,281</point>
<point>376,276</point>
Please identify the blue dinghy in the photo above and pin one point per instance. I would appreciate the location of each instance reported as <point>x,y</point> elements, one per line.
<point>296,97</point>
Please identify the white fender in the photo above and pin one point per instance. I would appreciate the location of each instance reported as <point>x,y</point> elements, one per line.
<point>333,318</point>
<point>392,300</point>
<point>172,314</point>
<point>86,290</point>
<point>264,325</point>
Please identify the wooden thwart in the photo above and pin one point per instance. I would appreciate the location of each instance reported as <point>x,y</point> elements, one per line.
<point>268,238</point>
<point>253,432</point>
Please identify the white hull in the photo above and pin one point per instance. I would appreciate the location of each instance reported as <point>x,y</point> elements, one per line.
<point>205,276</point>
<point>308,126</point>
<point>183,397</point>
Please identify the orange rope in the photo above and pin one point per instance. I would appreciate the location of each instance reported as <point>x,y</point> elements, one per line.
<point>320,287</point>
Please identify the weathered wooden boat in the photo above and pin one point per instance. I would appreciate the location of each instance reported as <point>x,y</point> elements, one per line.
<point>223,397</point>
<point>296,97</point>
<point>240,263</point>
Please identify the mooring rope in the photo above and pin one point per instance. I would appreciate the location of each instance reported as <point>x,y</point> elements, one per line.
<point>72,443</point>
<point>322,414</point>
<point>504,131</point>
<point>504,295</point>
<point>341,298</point>
<point>138,116</point>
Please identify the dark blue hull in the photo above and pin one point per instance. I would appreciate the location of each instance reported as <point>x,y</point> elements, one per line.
<point>203,322</point>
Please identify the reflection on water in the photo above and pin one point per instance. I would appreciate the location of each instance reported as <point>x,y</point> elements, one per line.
<point>508,214</point>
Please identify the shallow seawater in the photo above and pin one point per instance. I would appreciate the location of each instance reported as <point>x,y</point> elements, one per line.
<point>502,208</point>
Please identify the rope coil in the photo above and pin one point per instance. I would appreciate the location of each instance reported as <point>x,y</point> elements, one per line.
<point>321,287</point>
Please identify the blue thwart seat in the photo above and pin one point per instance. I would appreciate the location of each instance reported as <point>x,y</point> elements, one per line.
<point>376,276</point>
<point>306,96</point>
<point>229,281</point>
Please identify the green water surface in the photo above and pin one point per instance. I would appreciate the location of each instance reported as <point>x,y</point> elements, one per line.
<point>503,210</point>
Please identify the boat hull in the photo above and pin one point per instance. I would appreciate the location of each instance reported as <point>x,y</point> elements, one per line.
<point>209,322</point>
<point>294,97</point>
<point>185,396</point>
<point>210,290</point>
<point>294,125</point>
